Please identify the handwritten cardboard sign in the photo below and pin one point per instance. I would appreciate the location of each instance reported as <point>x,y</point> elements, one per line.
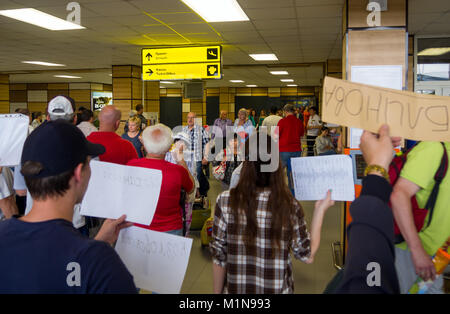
<point>409,115</point>
<point>115,190</point>
<point>158,261</point>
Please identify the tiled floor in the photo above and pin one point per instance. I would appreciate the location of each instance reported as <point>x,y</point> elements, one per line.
<point>308,278</point>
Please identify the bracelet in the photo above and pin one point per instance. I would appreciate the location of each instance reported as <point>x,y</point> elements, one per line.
<point>380,169</point>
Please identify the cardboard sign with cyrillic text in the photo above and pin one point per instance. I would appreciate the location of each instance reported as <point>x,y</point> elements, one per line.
<point>409,115</point>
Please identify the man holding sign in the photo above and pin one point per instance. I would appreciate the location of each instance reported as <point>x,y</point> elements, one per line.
<point>42,252</point>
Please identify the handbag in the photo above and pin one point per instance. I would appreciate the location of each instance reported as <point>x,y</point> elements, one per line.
<point>219,171</point>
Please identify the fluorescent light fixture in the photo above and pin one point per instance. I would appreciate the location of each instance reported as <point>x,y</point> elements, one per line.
<point>251,85</point>
<point>47,64</point>
<point>264,57</point>
<point>279,72</point>
<point>41,19</point>
<point>287,80</point>
<point>167,82</point>
<point>217,10</point>
<point>434,51</point>
<point>236,81</point>
<point>292,85</point>
<point>67,76</point>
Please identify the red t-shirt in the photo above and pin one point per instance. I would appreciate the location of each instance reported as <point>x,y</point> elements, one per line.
<point>305,118</point>
<point>291,130</point>
<point>118,150</point>
<point>168,210</point>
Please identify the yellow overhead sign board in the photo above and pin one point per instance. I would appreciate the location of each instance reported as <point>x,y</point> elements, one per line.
<point>181,55</point>
<point>187,71</point>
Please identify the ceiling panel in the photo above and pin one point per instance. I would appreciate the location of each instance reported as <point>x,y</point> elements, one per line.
<point>265,14</point>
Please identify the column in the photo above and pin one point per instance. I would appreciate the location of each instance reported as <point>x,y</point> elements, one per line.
<point>372,39</point>
<point>4,93</point>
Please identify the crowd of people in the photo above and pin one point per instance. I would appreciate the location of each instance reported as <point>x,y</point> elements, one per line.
<point>258,224</point>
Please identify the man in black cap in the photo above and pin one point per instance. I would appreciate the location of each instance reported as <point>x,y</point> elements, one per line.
<point>42,252</point>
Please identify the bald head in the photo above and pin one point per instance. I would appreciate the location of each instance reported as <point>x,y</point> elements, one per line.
<point>109,119</point>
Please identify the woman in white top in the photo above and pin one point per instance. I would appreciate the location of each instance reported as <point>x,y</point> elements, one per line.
<point>313,129</point>
<point>243,126</point>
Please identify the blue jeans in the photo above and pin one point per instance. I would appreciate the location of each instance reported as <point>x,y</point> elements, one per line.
<point>286,162</point>
<point>178,232</point>
<point>328,152</point>
<point>202,180</point>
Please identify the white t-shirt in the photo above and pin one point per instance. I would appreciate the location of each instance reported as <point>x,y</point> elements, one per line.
<point>313,121</point>
<point>271,120</point>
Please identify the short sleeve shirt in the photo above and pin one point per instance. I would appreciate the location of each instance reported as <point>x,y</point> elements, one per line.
<point>420,168</point>
<point>52,257</point>
<point>168,210</point>
<point>118,150</point>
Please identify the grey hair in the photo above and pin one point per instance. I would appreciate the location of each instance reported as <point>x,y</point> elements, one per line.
<point>157,139</point>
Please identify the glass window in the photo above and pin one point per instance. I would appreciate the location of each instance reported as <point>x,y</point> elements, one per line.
<point>433,59</point>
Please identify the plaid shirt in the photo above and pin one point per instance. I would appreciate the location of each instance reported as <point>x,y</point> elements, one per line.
<point>199,138</point>
<point>270,271</point>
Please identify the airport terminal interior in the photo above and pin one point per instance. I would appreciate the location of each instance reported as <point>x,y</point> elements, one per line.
<point>271,53</point>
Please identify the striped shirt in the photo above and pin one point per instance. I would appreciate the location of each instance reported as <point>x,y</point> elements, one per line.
<point>199,138</point>
<point>270,270</point>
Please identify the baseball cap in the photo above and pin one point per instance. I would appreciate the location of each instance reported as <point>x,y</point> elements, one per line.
<point>60,106</point>
<point>59,147</point>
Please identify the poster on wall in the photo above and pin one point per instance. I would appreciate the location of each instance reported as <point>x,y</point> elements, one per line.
<point>152,117</point>
<point>101,99</point>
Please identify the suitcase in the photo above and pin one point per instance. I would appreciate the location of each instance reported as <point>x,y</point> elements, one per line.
<point>201,211</point>
<point>206,233</point>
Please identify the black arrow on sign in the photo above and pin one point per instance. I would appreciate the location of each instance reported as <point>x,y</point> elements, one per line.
<point>149,56</point>
<point>150,72</point>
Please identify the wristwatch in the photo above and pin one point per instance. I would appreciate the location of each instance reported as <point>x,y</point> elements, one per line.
<point>380,169</point>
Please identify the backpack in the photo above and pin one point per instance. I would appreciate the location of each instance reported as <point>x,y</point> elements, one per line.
<point>419,214</point>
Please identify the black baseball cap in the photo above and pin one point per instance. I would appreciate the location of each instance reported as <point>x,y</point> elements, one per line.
<point>59,147</point>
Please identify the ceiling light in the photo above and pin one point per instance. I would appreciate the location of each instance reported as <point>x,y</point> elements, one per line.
<point>287,80</point>
<point>251,85</point>
<point>279,72</point>
<point>167,82</point>
<point>67,76</point>
<point>264,57</point>
<point>217,10</point>
<point>236,81</point>
<point>292,85</point>
<point>40,19</point>
<point>434,51</point>
<point>47,64</point>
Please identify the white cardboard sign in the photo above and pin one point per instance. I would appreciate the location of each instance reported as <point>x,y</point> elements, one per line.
<point>157,260</point>
<point>314,176</point>
<point>13,133</point>
<point>115,190</point>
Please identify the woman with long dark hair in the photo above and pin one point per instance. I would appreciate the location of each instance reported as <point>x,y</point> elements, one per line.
<point>256,226</point>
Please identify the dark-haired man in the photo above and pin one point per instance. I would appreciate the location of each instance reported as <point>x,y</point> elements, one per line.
<point>139,111</point>
<point>42,252</point>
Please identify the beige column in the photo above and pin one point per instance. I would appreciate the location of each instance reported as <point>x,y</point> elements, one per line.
<point>4,93</point>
